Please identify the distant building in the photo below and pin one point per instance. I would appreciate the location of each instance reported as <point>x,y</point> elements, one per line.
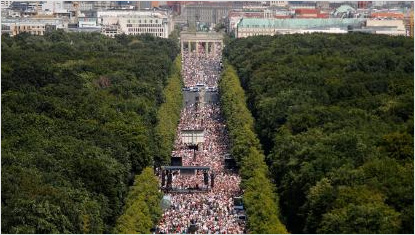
<point>338,4</point>
<point>6,29</point>
<point>302,4</point>
<point>87,22</point>
<point>85,30</point>
<point>364,4</point>
<point>80,5</point>
<point>157,23</point>
<point>155,4</point>
<point>145,4</point>
<point>252,27</point>
<point>209,12</point>
<point>344,11</point>
<point>310,13</point>
<point>278,3</point>
<point>89,5</point>
<point>53,6</point>
<point>235,16</point>
<point>388,27</point>
<point>111,30</point>
<point>5,4</point>
<point>102,5</point>
<point>35,26</point>
<point>323,5</point>
<point>24,6</point>
<point>9,13</point>
<point>162,3</point>
<point>175,6</point>
<point>387,15</point>
<point>379,3</point>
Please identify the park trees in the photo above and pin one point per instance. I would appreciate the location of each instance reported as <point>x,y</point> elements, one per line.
<point>260,199</point>
<point>78,118</point>
<point>334,114</point>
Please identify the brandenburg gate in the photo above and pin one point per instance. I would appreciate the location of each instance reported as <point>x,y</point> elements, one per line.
<point>208,40</point>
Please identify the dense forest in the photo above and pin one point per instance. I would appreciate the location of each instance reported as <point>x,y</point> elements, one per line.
<point>143,206</point>
<point>79,113</point>
<point>334,114</point>
<point>260,199</point>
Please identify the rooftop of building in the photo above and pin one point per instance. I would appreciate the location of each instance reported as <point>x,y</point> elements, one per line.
<point>132,12</point>
<point>387,15</point>
<point>345,9</point>
<point>299,23</point>
<point>32,20</point>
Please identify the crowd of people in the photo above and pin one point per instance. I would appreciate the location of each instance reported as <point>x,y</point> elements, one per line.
<point>201,68</point>
<point>211,210</point>
<point>207,118</point>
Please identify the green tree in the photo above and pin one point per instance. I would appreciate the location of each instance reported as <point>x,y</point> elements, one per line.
<point>330,111</point>
<point>143,207</point>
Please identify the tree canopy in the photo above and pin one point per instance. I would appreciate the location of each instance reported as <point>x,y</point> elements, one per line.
<point>334,114</point>
<point>78,118</point>
<point>142,209</point>
<point>260,199</point>
<point>168,115</point>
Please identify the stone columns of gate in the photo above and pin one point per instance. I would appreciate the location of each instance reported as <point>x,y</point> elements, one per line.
<point>207,47</point>
<point>214,48</point>
<point>189,46</point>
<point>211,46</point>
<point>181,47</point>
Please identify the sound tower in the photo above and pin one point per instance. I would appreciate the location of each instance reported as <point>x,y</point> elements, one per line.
<point>169,179</point>
<point>176,161</point>
<point>163,178</point>
<point>206,178</point>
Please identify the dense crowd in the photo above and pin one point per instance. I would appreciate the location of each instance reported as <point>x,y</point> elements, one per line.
<point>201,68</point>
<point>212,210</point>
